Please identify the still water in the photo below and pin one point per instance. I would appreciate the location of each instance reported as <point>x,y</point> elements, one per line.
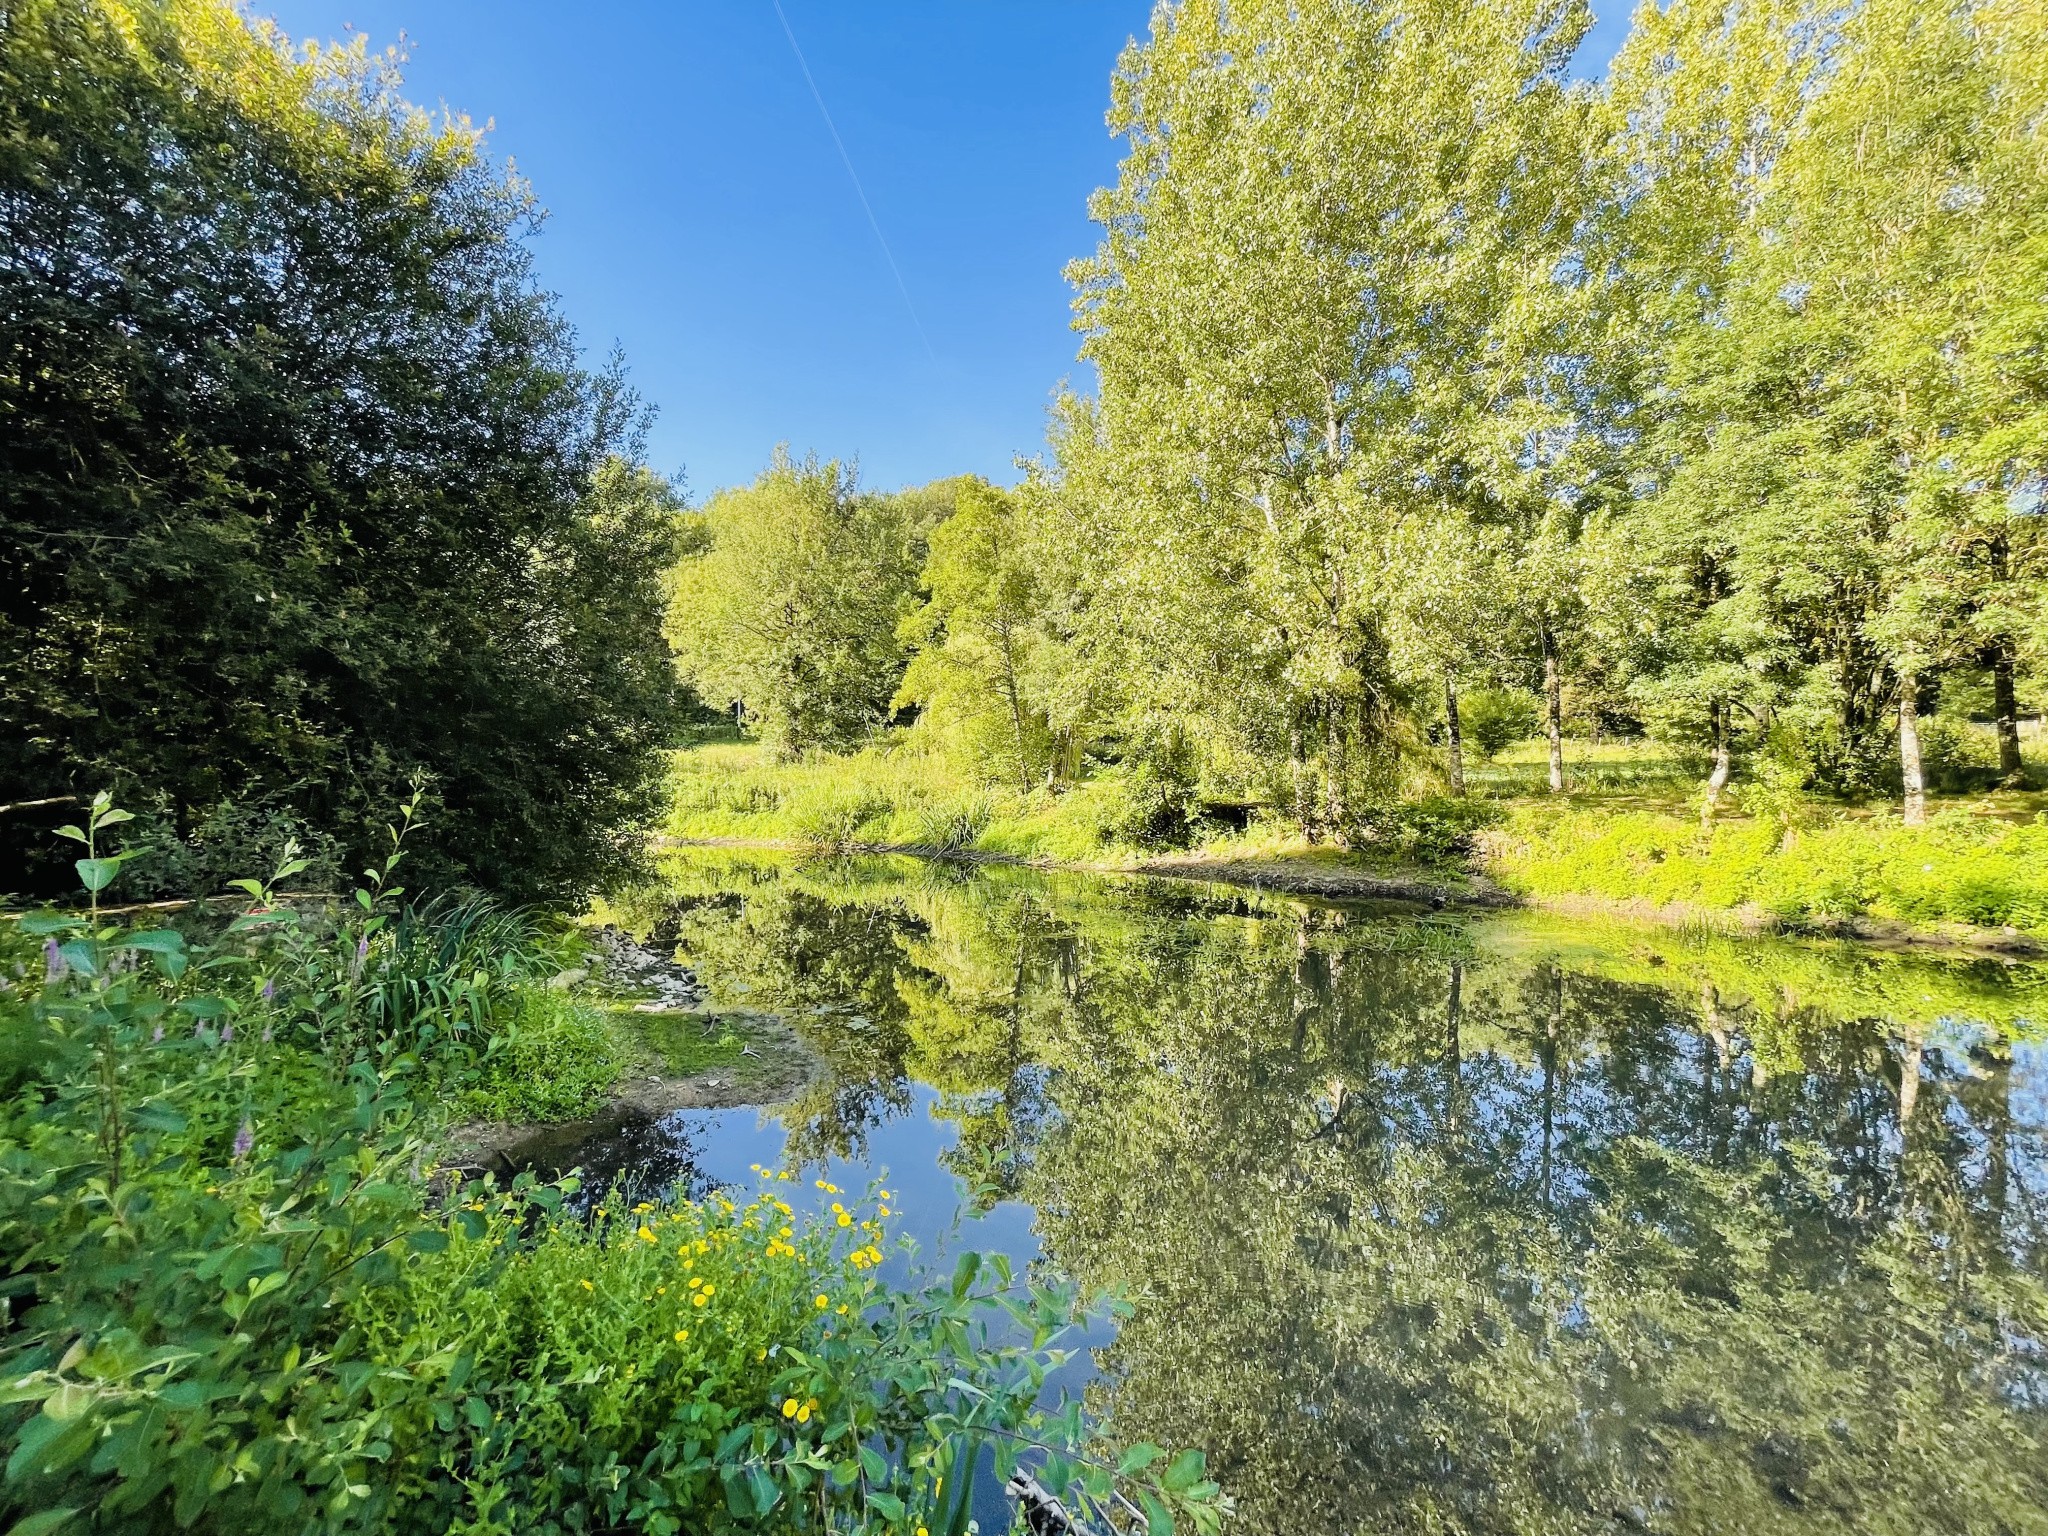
<point>1501,1225</point>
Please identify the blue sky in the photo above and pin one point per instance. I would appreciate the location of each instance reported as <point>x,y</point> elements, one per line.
<point>700,215</point>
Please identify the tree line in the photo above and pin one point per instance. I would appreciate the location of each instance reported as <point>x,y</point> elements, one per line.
<point>1709,401</point>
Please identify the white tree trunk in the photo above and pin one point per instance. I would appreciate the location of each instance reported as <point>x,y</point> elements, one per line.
<point>1553,710</point>
<point>1909,751</point>
<point>1717,781</point>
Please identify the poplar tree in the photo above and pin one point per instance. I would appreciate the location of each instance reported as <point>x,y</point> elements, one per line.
<point>1326,212</point>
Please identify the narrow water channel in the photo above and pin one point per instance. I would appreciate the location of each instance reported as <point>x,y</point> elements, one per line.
<point>1501,1224</point>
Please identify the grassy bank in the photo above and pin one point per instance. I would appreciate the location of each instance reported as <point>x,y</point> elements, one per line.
<point>893,796</point>
<point>1963,867</point>
<point>1627,834</point>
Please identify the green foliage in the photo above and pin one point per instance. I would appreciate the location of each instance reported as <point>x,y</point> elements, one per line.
<point>982,669</point>
<point>1956,869</point>
<point>1494,719</point>
<point>305,495</point>
<point>1436,831</point>
<point>791,610</point>
<point>233,1303</point>
<point>554,1059</point>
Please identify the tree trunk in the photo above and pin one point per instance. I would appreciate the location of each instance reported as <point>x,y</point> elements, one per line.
<point>2012,771</point>
<point>1717,781</point>
<point>1297,778</point>
<point>1553,709</point>
<point>1335,806</point>
<point>1454,738</point>
<point>1909,751</point>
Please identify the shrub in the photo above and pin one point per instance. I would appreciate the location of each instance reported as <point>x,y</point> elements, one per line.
<point>832,816</point>
<point>1440,830</point>
<point>1494,719</point>
<point>554,1059</point>
<point>952,826</point>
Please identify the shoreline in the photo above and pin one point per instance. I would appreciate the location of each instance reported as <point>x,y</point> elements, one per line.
<point>1284,876</point>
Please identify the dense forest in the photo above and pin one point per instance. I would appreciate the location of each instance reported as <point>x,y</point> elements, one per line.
<point>1708,403</point>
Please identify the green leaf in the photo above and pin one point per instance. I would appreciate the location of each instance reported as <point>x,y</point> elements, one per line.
<point>1158,1518</point>
<point>97,874</point>
<point>158,1116</point>
<point>428,1240</point>
<point>964,1272</point>
<point>161,941</point>
<point>38,1524</point>
<point>1185,1472</point>
<point>1138,1458</point>
<point>68,1402</point>
<point>872,1463</point>
<point>888,1506</point>
<point>763,1487</point>
<point>40,923</point>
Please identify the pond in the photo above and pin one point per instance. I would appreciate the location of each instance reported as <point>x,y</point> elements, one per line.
<point>1500,1224</point>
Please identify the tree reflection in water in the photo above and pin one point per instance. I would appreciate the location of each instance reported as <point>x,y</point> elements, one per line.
<point>1509,1226</point>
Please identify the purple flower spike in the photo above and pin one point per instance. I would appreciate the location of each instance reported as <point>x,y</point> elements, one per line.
<point>269,990</point>
<point>245,1139</point>
<point>53,961</point>
<point>156,1038</point>
<point>199,1030</point>
<point>266,1034</point>
<point>227,1033</point>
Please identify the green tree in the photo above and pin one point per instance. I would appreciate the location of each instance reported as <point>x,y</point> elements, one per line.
<point>1845,407</point>
<point>977,671</point>
<point>302,492</point>
<point>1326,213</point>
<point>790,613</point>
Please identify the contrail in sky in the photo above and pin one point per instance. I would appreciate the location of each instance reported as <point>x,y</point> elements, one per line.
<point>861,192</point>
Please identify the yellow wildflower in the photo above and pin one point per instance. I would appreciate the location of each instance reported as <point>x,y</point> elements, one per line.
<point>803,1414</point>
<point>586,1285</point>
<point>845,1220</point>
<point>700,1300</point>
<point>646,1233</point>
<point>682,1334</point>
<point>789,1406</point>
<point>822,1303</point>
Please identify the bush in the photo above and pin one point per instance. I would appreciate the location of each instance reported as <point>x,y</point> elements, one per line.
<point>554,1059</point>
<point>832,816</point>
<point>1440,830</point>
<point>1494,719</point>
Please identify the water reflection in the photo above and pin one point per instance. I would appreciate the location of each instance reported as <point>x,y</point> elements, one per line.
<point>1507,1227</point>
